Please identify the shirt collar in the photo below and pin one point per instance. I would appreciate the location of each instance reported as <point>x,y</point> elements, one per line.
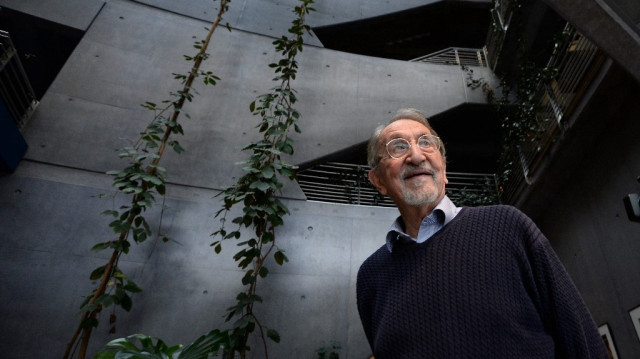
<point>442,214</point>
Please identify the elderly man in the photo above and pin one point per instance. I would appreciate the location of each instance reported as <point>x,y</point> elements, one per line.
<point>452,282</point>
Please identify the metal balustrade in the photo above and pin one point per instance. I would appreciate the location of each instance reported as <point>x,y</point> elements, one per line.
<point>15,90</point>
<point>347,183</point>
<point>501,15</point>
<point>456,56</point>
<point>555,101</point>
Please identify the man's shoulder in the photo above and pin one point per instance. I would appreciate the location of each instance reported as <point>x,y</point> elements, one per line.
<point>374,260</point>
<point>379,254</point>
<point>495,211</point>
<point>492,218</point>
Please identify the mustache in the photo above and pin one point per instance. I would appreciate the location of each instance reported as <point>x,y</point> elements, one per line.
<point>409,169</point>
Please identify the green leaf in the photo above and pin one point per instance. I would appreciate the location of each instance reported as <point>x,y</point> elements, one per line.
<point>123,343</point>
<point>97,273</point>
<point>176,146</point>
<point>149,105</point>
<point>101,246</point>
<point>118,274</point>
<point>280,257</point>
<point>105,355</point>
<point>110,213</point>
<point>262,186</point>
<point>267,237</point>
<point>105,300</point>
<point>132,287</point>
<point>273,335</point>
<point>126,303</point>
<point>248,278</point>
<point>268,172</point>
<point>89,323</point>
<point>244,322</point>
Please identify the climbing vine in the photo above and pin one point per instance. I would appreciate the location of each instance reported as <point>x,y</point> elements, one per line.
<point>141,181</point>
<point>262,212</point>
<point>519,103</point>
<point>256,190</point>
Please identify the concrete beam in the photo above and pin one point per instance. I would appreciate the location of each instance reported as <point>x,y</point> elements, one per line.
<point>130,51</point>
<point>604,27</point>
<point>74,13</point>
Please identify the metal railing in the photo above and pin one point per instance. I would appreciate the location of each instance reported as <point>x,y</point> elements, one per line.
<point>347,183</point>
<point>472,189</point>
<point>501,15</point>
<point>15,90</point>
<point>456,56</point>
<point>555,101</point>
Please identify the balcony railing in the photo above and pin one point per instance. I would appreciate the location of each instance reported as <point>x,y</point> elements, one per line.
<point>15,89</point>
<point>501,15</point>
<point>456,56</point>
<point>349,184</point>
<point>555,101</point>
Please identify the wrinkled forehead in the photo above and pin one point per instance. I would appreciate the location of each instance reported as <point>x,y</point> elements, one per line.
<point>404,128</point>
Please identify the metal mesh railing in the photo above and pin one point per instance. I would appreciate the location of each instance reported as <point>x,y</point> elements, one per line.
<point>346,183</point>
<point>15,89</point>
<point>501,15</point>
<point>456,56</point>
<point>555,100</point>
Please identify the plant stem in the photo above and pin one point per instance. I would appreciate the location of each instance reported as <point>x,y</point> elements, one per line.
<point>151,169</point>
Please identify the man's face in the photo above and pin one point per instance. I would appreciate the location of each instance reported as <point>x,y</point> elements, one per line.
<point>415,179</point>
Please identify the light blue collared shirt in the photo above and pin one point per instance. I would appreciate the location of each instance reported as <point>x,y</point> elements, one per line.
<point>444,212</point>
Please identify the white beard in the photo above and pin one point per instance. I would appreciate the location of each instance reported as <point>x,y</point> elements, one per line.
<point>423,191</point>
<point>418,194</point>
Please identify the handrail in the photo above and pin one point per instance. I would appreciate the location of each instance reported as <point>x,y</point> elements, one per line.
<point>348,183</point>
<point>555,100</point>
<point>459,56</point>
<point>501,15</point>
<point>15,90</point>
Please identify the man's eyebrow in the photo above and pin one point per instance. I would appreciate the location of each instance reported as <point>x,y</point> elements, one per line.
<point>418,135</point>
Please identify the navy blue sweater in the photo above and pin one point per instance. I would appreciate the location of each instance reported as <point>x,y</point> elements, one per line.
<point>488,285</point>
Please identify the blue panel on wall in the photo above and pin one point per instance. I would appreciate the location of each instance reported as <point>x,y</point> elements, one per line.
<point>12,144</point>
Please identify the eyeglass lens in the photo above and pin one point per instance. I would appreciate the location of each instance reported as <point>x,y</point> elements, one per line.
<point>399,146</point>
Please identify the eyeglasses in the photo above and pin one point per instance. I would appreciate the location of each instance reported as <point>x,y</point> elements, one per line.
<point>398,147</point>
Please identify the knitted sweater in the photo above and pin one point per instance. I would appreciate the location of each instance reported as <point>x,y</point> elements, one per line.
<point>488,285</point>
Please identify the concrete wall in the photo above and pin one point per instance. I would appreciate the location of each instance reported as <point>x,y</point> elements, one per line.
<point>124,60</point>
<point>49,219</point>
<point>588,227</point>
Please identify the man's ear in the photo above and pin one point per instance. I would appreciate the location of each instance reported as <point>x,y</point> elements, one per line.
<point>376,182</point>
<point>444,168</point>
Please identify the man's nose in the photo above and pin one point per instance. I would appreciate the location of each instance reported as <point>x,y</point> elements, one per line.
<point>415,155</point>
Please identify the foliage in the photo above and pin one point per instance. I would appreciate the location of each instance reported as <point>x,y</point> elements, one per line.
<point>141,180</point>
<point>262,211</point>
<point>519,103</point>
<point>256,189</point>
<point>330,351</point>
<point>474,83</point>
<point>483,192</point>
<point>154,348</point>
